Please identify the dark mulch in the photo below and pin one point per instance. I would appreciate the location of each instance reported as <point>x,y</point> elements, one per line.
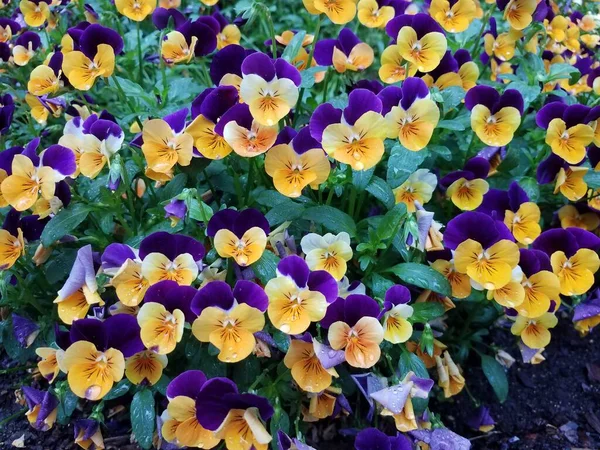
<point>551,406</point>
<point>554,405</point>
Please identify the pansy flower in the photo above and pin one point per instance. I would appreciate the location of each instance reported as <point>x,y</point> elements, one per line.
<point>298,164</point>
<point>45,79</point>
<point>353,327</point>
<point>269,87</point>
<point>179,421</point>
<point>569,179</point>
<point>243,133</point>
<point>7,109</point>
<point>454,70</point>
<point>355,135</point>
<point>35,13</point>
<point>573,254</point>
<point>370,438</point>
<point>12,247</point>
<point>96,358</point>
<point>25,47</point>
<point>396,311</point>
<point>226,66</point>
<point>410,114</point>
<point>534,331</point>
<point>443,262</point>
<point>494,117</point>
<point>207,110</point>
<point>483,249</point>
<point>567,131</point>
<point>51,357</point>
<point>80,291</point>
<point>372,14</point>
<point>42,408</point>
<point>176,49</point>
<point>123,264</point>
<point>340,12</point>
<point>95,58</point>
<point>166,308</point>
<point>556,28</point>
<point>419,40</point>
<point>312,364</point>
<point>346,52</point>
<point>298,296</point>
<point>450,378</point>
<point>540,285</point>
<point>8,29</point>
<point>136,10</point>
<point>578,217</point>
<point>428,361</point>
<point>229,33</point>
<point>521,216</point>
<point>467,188</point>
<point>481,420</point>
<point>165,12</point>
<point>454,16</point>
<point>96,143</point>
<point>166,142</point>
<point>329,252</point>
<point>397,400</point>
<point>229,318</point>
<point>145,367</point>
<point>418,188</point>
<point>518,13</point>
<point>587,314</point>
<point>236,418</point>
<point>88,434</point>
<point>32,175</point>
<point>501,46</point>
<point>241,235</point>
<point>171,257</point>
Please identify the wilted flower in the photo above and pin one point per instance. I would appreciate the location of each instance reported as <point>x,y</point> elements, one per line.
<point>450,378</point>
<point>42,408</point>
<point>88,434</point>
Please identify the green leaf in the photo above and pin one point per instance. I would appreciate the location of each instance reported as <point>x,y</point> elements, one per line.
<point>142,417</point>
<point>592,179</point>
<point>531,187</point>
<point>265,267</point>
<point>379,285</point>
<point>59,267</point>
<point>382,191</point>
<point>292,49</point>
<point>282,341</point>
<point>173,187</point>
<point>308,76</point>
<point>245,372</point>
<point>496,375</point>
<point>199,211</point>
<point>452,97</point>
<point>279,422</point>
<point>529,93</point>
<point>403,163</point>
<point>331,218</point>
<point>409,362</point>
<point>283,211</point>
<point>455,125</point>
<point>426,311</point>
<point>120,389</point>
<point>361,178</point>
<point>422,276</point>
<point>562,71</point>
<point>67,406</point>
<point>390,223</point>
<point>64,222</point>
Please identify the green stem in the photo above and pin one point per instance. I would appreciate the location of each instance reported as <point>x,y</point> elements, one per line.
<point>140,56</point>
<point>126,101</point>
<point>352,201</point>
<point>250,182</point>
<point>484,21</point>
<point>130,193</point>
<point>329,196</point>
<point>163,69</point>
<point>238,187</point>
<point>12,417</point>
<point>271,26</point>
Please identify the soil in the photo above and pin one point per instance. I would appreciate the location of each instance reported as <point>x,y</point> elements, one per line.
<point>551,406</point>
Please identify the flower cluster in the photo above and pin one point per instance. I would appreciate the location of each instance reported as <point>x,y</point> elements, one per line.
<point>239,233</point>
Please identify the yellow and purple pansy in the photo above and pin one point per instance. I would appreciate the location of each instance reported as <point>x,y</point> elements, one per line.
<point>88,434</point>
<point>297,296</point>
<point>124,265</point>
<point>329,252</point>
<point>340,12</point>
<point>587,314</point>
<point>416,190</point>
<point>355,135</point>
<point>35,12</point>
<point>466,188</point>
<point>568,179</point>
<point>410,114</point>
<point>578,216</point>
<point>25,47</point>
<point>353,326</point>
<point>95,360</point>
<point>540,284</point>
<point>396,312</point>
<point>269,87</point>
<point>229,318</point>
<point>501,46</point>
<point>296,164</point>
<point>42,408</point>
<point>494,117</point>
<point>228,34</point>
<point>241,235</point>
<point>93,56</point>
<point>226,66</point>
<point>518,13</point>
<point>454,70</point>
<point>347,52</point>
<point>236,418</point>
<point>374,13</point>
<point>46,79</point>
<point>173,257</point>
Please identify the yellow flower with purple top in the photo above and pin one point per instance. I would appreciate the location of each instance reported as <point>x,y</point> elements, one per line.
<point>346,52</point>
<point>241,235</point>
<point>355,135</point>
<point>353,327</point>
<point>340,12</point>
<point>136,10</point>
<point>42,408</point>
<point>229,33</point>
<point>483,249</point>
<point>25,47</point>
<point>454,70</point>
<point>312,363</point>
<point>167,143</point>
<point>88,434</point>
<point>297,296</point>
<point>518,13</point>
<point>166,308</point>
<point>573,254</point>
<point>466,188</point>
<point>95,360</point>
<point>297,164</point>
<point>396,312</point>
<point>541,287</point>
<point>243,133</point>
<point>269,87</point>
<point>454,16</point>
<point>329,252</point>
<point>419,40</point>
<point>175,48</point>
<point>229,318</point>
<point>8,29</point>
<point>124,265</point>
<point>494,117</point>
<point>501,46</point>
<point>180,424</point>
<point>587,314</point>
<point>418,188</point>
<point>568,180</point>
<point>410,114</point>
<point>567,130</point>
<point>35,13</point>
<point>170,257</point>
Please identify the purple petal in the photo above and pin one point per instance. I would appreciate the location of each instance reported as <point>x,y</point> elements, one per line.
<point>474,225</point>
<point>123,333</point>
<point>187,384</point>
<point>327,356</point>
<point>250,218</point>
<point>177,119</point>
<point>347,40</point>
<point>214,293</point>
<point>251,294</point>
<point>222,220</point>
<point>393,398</point>
<point>511,97</point>
<point>24,330</point>
<point>115,255</point>
<point>259,64</point>
<point>325,115</point>
<point>95,35</point>
<point>554,110</point>
<point>171,246</point>
<point>548,169</point>
<point>324,51</point>
<point>239,114</point>
<point>161,16</point>
<point>575,114</point>
<point>396,295</point>
<point>172,296</point>
<point>211,408</point>
<point>413,89</point>
<point>481,95</point>
<point>227,60</point>
<point>296,268</point>
<point>60,159</point>
<point>335,313</point>
<point>284,69</point>
<point>322,281</point>
<point>361,101</point>
<point>213,103</point>
<point>585,239</point>
<point>358,306</point>
<point>480,167</point>
<point>554,240</point>
<point>303,141</point>
<point>390,96</point>
<point>372,439</point>
<point>90,330</point>
<point>82,273</point>
<point>588,309</point>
